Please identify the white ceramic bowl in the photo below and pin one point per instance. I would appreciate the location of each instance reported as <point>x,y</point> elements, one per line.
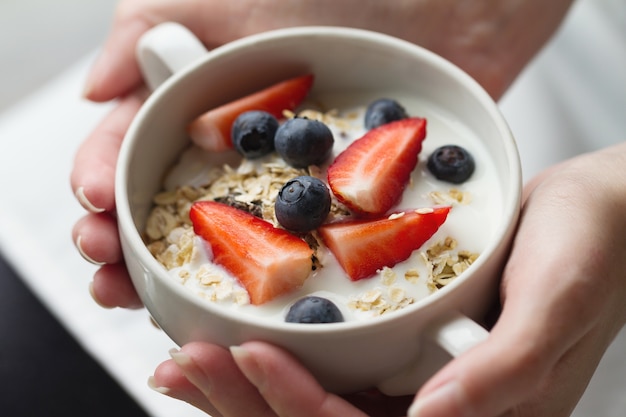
<point>389,352</point>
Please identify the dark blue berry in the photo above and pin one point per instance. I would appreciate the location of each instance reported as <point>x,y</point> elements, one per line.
<point>253,133</point>
<point>302,204</point>
<point>451,163</point>
<point>303,142</point>
<point>383,111</point>
<point>313,309</point>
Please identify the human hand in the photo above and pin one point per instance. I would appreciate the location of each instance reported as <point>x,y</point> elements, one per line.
<point>562,293</point>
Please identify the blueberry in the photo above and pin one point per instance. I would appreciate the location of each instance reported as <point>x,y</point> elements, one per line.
<point>313,309</point>
<point>383,111</point>
<point>303,142</point>
<point>253,133</point>
<point>302,204</point>
<point>451,163</point>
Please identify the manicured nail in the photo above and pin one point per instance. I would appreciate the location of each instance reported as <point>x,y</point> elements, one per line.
<point>181,358</point>
<point>94,73</point>
<point>192,371</point>
<point>445,401</point>
<point>84,201</point>
<point>153,385</point>
<point>248,365</point>
<point>193,397</point>
<point>86,257</point>
<point>93,295</point>
<point>87,89</point>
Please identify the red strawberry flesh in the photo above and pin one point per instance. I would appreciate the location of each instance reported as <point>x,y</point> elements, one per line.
<point>266,260</point>
<point>370,176</point>
<point>211,130</point>
<point>363,247</point>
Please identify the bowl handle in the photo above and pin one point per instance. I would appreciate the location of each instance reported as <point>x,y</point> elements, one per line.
<point>453,335</point>
<point>166,49</point>
<point>456,333</point>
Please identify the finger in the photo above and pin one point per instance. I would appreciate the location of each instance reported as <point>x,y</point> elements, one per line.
<point>93,175</point>
<point>97,240</point>
<point>286,385</point>
<point>112,287</point>
<point>169,380</point>
<point>212,371</point>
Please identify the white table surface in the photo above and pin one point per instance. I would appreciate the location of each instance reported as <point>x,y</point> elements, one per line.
<point>43,120</point>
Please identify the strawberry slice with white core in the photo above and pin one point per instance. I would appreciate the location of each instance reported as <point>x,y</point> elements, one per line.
<point>266,260</point>
<point>211,130</point>
<point>363,247</point>
<point>371,174</point>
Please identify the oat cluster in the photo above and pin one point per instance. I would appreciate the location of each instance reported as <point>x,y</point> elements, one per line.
<point>388,297</point>
<point>445,263</point>
<point>452,196</point>
<point>214,287</point>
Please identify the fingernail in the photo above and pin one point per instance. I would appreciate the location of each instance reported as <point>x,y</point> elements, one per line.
<point>93,74</point>
<point>87,89</point>
<point>86,257</point>
<point>445,401</point>
<point>248,365</point>
<point>181,358</point>
<point>193,397</point>
<point>153,385</point>
<point>93,295</point>
<point>192,372</point>
<point>84,201</point>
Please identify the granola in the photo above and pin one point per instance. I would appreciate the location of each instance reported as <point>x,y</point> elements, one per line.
<point>252,186</point>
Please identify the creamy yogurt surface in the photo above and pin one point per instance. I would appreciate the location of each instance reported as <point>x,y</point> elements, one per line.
<point>476,211</point>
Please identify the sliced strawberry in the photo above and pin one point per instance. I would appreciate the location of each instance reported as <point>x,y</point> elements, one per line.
<point>266,260</point>
<point>371,174</point>
<point>363,247</point>
<point>211,130</point>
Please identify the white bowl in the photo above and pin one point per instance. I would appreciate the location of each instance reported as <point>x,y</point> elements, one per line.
<point>388,352</point>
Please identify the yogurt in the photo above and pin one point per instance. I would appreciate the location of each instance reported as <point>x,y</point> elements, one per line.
<point>476,207</point>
